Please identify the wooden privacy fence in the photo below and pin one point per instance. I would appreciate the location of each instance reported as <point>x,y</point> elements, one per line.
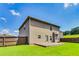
<point>69,39</point>
<point>8,41</point>
<point>22,40</point>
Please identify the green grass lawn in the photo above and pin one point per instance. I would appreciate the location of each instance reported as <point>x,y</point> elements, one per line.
<point>72,36</point>
<point>67,49</point>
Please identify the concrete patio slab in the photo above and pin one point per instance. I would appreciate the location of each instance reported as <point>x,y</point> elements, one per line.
<point>48,44</point>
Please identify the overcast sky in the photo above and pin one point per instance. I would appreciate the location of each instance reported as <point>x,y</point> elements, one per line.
<point>13,15</point>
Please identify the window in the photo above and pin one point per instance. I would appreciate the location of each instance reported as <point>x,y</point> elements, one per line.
<point>39,36</point>
<point>24,28</point>
<point>50,37</point>
<point>46,37</point>
<point>56,35</point>
<point>50,27</point>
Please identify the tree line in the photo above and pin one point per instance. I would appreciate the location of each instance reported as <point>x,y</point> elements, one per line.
<point>72,31</point>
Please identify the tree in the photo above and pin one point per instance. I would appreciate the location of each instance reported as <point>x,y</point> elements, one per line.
<point>66,33</point>
<point>75,30</point>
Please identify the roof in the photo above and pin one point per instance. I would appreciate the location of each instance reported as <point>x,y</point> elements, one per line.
<point>32,18</point>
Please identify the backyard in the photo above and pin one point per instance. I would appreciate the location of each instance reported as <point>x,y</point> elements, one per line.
<point>71,36</point>
<point>67,49</point>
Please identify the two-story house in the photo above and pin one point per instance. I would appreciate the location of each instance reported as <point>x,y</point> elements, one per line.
<point>38,31</point>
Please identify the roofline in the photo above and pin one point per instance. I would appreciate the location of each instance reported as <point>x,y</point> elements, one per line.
<point>29,17</point>
<point>12,36</point>
<point>24,22</point>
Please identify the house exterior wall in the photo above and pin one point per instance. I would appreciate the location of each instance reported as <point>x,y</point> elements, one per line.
<point>24,31</point>
<point>24,34</point>
<point>61,34</point>
<point>38,28</point>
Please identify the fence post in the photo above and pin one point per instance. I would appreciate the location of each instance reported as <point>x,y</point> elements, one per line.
<point>3,41</point>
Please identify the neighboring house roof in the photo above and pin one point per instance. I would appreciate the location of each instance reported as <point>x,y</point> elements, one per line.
<point>32,18</point>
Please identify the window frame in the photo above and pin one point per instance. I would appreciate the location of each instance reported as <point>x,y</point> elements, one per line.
<point>39,36</point>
